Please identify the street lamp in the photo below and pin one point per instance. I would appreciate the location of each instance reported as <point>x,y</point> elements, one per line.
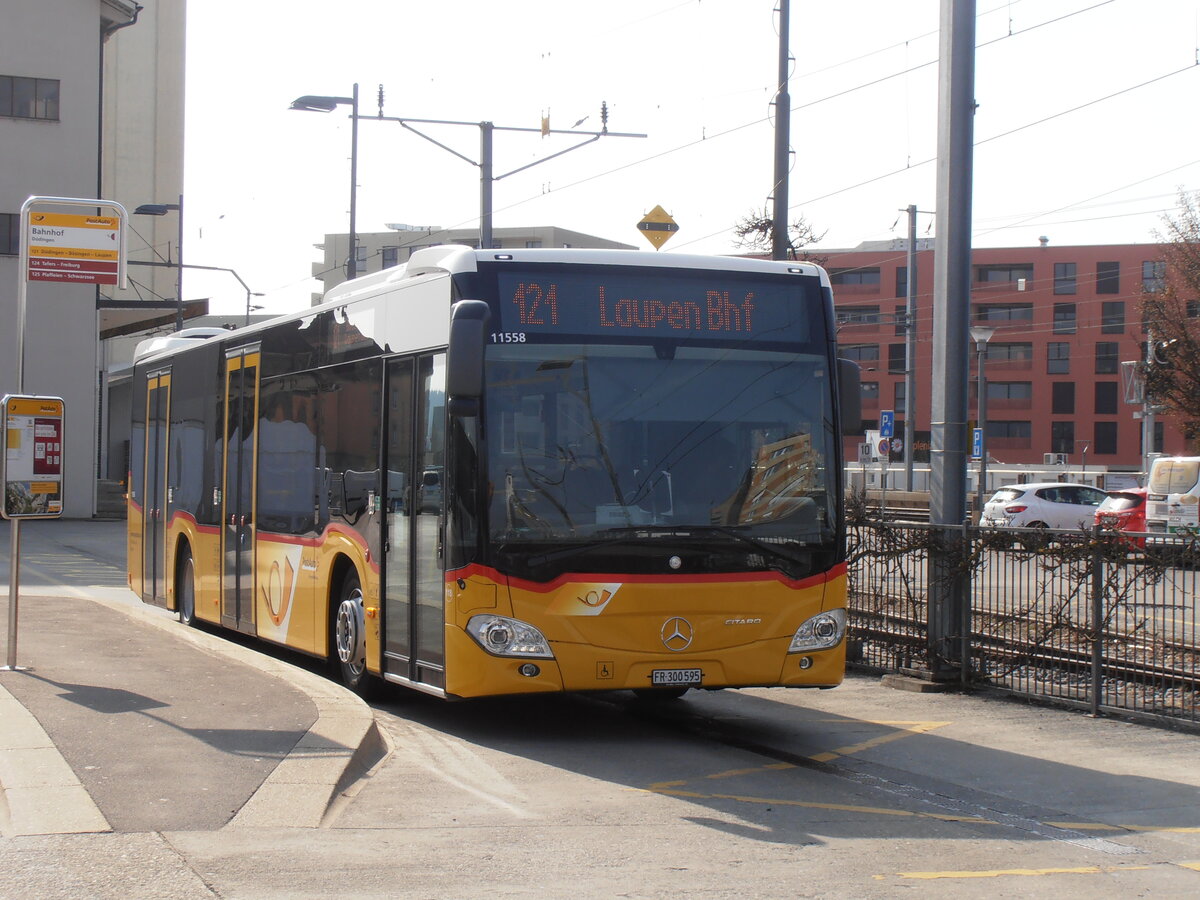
<point>981,335</point>
<point>318,103</point>
<point>161,209</point>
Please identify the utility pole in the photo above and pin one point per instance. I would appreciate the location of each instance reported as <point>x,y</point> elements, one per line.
<point>1147,414</point>
<point>783,115</point>
<point>949,614</point>
<point>910,349</point>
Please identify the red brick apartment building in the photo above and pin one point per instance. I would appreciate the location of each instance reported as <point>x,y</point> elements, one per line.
<point>1065,318</point>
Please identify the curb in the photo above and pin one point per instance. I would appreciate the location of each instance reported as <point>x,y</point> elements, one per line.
<point>41,795</point>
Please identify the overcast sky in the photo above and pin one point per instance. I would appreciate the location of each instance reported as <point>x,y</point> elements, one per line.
<point>1085,130</point>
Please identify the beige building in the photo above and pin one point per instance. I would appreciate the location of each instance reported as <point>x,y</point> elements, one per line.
<point>382,250</point>
<point>61,139</point>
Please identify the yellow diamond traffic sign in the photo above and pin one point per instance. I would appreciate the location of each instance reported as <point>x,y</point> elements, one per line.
<point>657,227</point>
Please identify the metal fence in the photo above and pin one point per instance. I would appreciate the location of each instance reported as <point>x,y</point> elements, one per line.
<point>1084,617</point>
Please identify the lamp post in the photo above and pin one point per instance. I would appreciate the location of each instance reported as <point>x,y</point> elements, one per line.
<point>320,103</point>
<point>161,209</point>
<point>981,335</point>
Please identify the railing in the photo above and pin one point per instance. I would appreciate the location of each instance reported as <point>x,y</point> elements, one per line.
<point>1087,618</point>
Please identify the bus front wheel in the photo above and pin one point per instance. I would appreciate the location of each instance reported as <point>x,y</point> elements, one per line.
<point>350,638</point>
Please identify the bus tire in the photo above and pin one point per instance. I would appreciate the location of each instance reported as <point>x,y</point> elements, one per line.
<point>349,638</point>
<point>185,587</point>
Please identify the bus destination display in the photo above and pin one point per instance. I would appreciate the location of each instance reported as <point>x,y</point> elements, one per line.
<point>628,305</point>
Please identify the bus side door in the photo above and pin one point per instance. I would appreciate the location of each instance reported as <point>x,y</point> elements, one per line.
<point>239,488</point>
<point>154,488</point>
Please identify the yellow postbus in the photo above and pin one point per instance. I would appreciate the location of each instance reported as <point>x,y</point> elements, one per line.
<point>509,471</point>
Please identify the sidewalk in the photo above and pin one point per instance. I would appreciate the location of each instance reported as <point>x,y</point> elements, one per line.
<point>120,719</point>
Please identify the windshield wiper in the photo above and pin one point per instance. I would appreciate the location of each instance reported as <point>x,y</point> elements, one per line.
<point>541,559</point>
<point>774,557</point>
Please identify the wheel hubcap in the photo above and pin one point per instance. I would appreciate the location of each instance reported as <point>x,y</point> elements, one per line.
<point>351,644</point>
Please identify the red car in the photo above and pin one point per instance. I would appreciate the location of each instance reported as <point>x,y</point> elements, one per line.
<point>1124,510</point>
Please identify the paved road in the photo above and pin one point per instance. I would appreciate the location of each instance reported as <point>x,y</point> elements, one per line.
<point>864,790</point>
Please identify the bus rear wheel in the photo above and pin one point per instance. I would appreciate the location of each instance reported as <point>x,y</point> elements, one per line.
<point>185,588</point>
<point>350,638</point>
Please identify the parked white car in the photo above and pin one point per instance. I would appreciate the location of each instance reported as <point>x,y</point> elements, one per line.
<point>1043,505</point>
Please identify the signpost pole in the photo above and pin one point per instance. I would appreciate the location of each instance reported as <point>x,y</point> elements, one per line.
<point>14,525</point>
<point>80,263</point>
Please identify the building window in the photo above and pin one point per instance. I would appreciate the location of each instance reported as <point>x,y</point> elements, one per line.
<point>901,319</point>
<point>1058,358</point>
<point>1062,437</point>
<point>1107,361</point>
<point>860,352</point>
<point>1105,443</point>
<point>1004,312</point>
<point>1112,317</point>
<point>1009,390</point>
<point>1154,274</point>
<point>1064,318</point>
<point>1007,274</point>
<point>1062,398</point>
<point>10,234</point>
<point>896,359</point>
<point>1106,398</point>
<point>902,281</point>
<point>854,276</point>
<point>29,98</point>
<point>1013,431</point>
<point>1000,352</point>
<point>898,395</point>
<point>391,256</point>
<point>534,243</point>
<point>858,315</point>
<point>1064,278</point>
<point>1108,278</point>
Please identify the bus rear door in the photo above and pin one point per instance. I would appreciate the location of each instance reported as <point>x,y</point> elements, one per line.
<point>239,488</point>
<point>154,488</point>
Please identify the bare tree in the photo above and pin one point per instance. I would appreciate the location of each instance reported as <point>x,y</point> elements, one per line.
<point>1171,311</point>
<point>753,232</point>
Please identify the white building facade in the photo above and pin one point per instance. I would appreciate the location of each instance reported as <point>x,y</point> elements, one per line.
<point>52,129</point>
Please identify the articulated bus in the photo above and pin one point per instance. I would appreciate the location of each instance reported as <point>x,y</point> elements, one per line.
<point>500,472</point>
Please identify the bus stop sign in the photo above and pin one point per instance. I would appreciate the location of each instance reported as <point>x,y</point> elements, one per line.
<point>33,457</point>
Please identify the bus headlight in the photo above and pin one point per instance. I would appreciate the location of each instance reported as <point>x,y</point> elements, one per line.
<point>820,632</point>
<point>501,636</point>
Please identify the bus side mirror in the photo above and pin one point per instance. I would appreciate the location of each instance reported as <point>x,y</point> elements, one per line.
<point>850,396</point>
<point>464,357</point>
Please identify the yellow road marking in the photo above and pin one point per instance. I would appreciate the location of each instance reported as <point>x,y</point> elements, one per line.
<point>1001,873</point>
<point>1101,826</point>
<point>908,730</point>
<point>1194,866</point>
<point>808,804</point>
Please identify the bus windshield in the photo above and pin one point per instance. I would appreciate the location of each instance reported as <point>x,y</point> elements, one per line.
<point>595,444</point>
